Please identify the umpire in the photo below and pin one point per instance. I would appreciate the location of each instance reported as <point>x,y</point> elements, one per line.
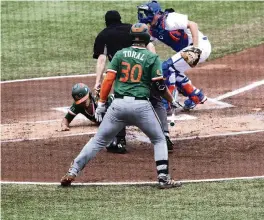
<point>111,39</point>
<point>114,37</point>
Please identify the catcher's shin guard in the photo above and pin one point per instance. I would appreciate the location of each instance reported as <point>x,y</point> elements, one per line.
<point>197,97</point>
<point>185,86</point>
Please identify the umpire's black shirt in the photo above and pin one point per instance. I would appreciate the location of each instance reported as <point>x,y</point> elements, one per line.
<point>113,38</point>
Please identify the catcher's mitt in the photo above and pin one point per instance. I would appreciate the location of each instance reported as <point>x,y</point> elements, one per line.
<point>191,55</point>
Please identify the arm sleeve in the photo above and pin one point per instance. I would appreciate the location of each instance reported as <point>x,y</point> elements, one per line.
<point>99,46</point>
<point>107,85</point>
<point>72,112</point>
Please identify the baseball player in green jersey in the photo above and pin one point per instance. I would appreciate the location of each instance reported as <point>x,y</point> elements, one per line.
<point>133,71</point>
<point>86,104</point>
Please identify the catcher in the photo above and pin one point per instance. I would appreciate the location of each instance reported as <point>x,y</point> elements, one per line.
<point>183,36</point>
<point>85,104</point>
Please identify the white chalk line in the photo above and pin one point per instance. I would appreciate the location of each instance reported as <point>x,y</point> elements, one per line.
<point>32,122</point>
<point>146,139</point>
<point>133,183</point>
<point>141,137</point>
<point>219,135</point>
<point>240,90</point>
<point>220,103</point>
<point>41,138</point>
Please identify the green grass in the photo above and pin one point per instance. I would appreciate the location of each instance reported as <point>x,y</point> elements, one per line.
<point>56,38</point>
<point>226,200</point>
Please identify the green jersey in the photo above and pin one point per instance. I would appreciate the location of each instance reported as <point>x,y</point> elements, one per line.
<point>87,111</point>
<point>135,69</point>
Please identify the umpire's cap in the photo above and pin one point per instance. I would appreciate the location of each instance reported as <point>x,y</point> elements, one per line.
<point>112,17</point>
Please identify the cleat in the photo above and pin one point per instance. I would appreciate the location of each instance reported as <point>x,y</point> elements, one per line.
<point>118,146</point>
<point>67,179</point>
<point>188,104</point>
<point>165,182</point>
<point>169,144</point>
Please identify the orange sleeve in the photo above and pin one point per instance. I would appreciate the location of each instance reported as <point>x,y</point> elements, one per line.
<point>107,85</point>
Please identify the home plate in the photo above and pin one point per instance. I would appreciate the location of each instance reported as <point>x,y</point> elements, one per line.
<point>209,104</point>
<point>181,117</point>
<point>65,110</point>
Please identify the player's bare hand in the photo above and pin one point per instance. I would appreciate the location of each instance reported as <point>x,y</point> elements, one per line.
<point>65,125</point>
<point>100,111</point>
<point>64,128</point>
<point>97,88</point>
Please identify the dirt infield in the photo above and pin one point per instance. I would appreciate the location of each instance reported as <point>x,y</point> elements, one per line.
<point>33,148</point>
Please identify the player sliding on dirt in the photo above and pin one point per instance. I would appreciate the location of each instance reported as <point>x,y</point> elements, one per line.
<point>133,71</point>
<point>85,104</point>
<point>183,36</point>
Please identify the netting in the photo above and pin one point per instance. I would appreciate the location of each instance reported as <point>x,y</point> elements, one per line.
<point>47,47</point>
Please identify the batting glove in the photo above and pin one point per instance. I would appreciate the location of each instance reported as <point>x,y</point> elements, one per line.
<point>100,111</point>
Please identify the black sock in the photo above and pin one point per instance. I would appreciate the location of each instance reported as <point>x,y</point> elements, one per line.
<point>162,167</point>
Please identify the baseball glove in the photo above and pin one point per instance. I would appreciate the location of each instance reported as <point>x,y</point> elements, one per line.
<point>191,55</point>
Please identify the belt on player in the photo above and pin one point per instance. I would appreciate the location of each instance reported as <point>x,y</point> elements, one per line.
<point>118,96</point>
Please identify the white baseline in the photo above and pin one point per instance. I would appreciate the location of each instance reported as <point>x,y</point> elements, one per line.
<point>133,183</point>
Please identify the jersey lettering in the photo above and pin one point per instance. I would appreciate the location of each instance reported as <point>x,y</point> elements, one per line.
<point>125,71</point>
<point>134,54</point>
<point>131,74</point>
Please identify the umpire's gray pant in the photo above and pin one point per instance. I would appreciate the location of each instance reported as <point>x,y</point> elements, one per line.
<point>122,112</point>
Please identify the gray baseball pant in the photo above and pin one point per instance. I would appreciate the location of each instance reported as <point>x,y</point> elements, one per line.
<point>123,112</point>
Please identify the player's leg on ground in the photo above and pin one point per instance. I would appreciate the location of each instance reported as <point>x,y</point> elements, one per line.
<point>107,130</point>
<point>148,122</point>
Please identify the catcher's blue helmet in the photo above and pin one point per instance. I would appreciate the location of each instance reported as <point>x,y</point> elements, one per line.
<point>147,11</point>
